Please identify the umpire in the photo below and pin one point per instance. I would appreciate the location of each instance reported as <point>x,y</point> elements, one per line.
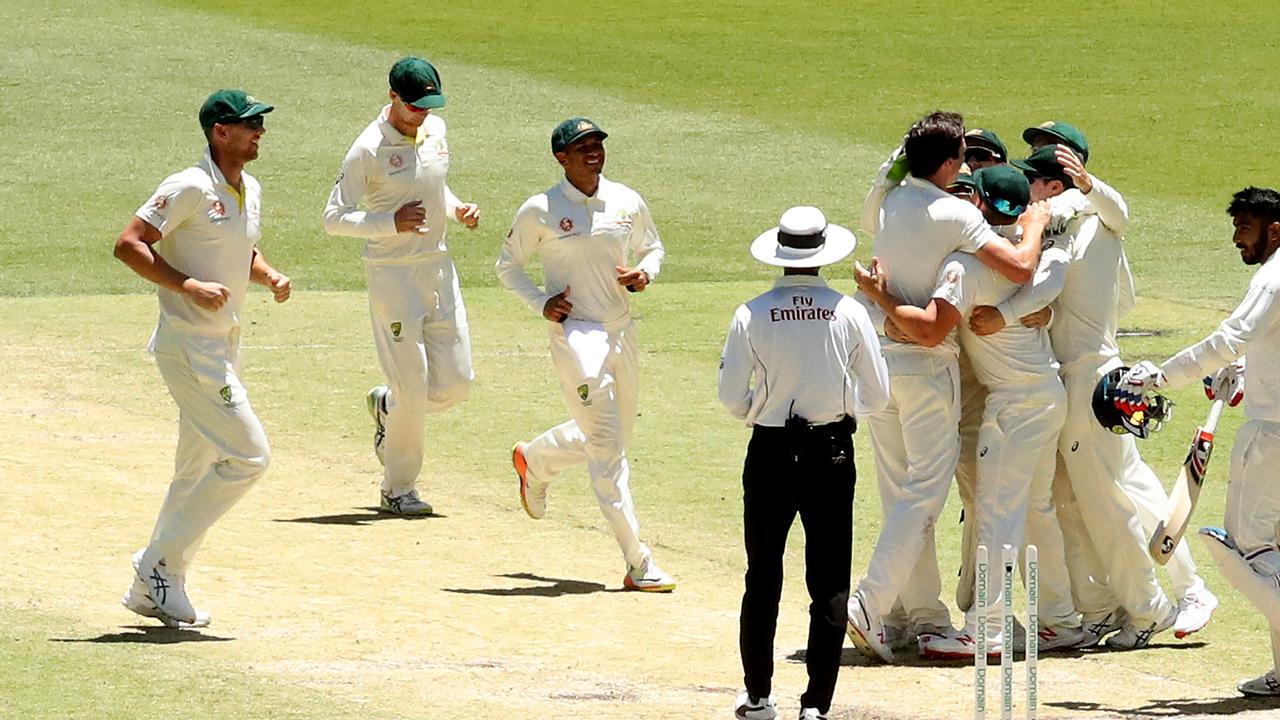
<point>816,363</point>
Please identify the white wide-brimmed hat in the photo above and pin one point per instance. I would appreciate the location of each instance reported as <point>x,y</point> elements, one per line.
<point>803,239</point>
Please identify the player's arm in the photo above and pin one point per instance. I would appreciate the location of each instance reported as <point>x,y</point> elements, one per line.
<point>646,247</point>
<point>866,365</point>
<point>261,273</point>
<point>1256,314</point>
<point>467,213</point>
<point>1044,288</point>
<point>927,326</point>
<point>737,363</point>
<point>889,177</point>
<point>342,213</point>
<point>1016,262</point>
<point>168,208</point>
<point>518,249</point>
<point>1099,197</point>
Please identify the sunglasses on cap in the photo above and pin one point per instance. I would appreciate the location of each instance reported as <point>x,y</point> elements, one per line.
<point>979,153</point>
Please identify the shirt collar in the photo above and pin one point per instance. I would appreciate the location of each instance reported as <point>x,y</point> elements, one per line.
<point>926,185</point>
<point>576,195</point>
<point>211,167</point>
<point>394,136</point>
<point>799,280</point>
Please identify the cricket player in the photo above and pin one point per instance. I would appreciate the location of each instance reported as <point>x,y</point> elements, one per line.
<point>1247,552</point>
<point>801,362</point>
<point>1021,414</point>
<point>983,148</point>
<point>196,238</point>
<point>397,167</point>
<point>917,224</point>
<point>584,229</point>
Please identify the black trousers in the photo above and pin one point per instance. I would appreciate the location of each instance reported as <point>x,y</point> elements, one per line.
<point>805,470</point>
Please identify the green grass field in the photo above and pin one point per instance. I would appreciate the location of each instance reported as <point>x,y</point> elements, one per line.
<point>722,114</point>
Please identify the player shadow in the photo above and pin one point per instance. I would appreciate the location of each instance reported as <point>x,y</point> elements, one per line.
<point>556,587</point>
<point>851,657</point>
<point>369,516</point>
<point>1175,707</point>
<point>148,635</point>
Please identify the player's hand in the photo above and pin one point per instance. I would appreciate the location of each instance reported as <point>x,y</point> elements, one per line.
<point>1038,319</point>
<point>1074,168</point>
<point>208,295</point>
<point>985,320</point>
<point>281,286</point>
<point>1227,384</point>
<point>1141,379</point>
<point>468,214</point>
<point>872,280</point>
<point>633,279</point>
<point>410,217</point>
<point>1036,216</point>
<point>894,333</point>
<point>558,307</point>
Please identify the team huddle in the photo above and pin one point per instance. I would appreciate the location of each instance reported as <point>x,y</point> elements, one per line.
<point>973,350</point>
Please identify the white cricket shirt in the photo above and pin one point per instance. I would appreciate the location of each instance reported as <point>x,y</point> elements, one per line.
<point>385,170</point>
<point>1254,326</point>
<point>920,225</point>
<point>208,232</point>
<point>811,351</point>
<point>579,241</point>
<point>1015,353</point>
<point>1086,313</point>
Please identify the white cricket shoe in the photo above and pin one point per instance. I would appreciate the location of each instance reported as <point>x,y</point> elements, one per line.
<point>1097,626</point>
<point>1194,611</point>
<point>376,401</point>
<point>406,505</point>
<point>533,492</point>
<point>959,646</point>
<point>166,590</point>
<point>135,600</point>
<point>866,630</point>
<point>1061,637</point>
<point>648,577</point>
<point>1131,638</point>
<point>811,714</point>
<point>749,707</point>
<point>1265,686</point>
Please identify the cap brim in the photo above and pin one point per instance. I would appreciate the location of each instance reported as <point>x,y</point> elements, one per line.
<point>429,102</point>
<point>837,246</point>
<point>1025,167</point>
<point>977,142</point>
<point>255,110</point>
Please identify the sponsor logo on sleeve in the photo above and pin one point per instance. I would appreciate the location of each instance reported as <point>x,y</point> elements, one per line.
<point>395,331</point>
<point>225,393</point>
<point>583,392</point>
<point>161,202</point>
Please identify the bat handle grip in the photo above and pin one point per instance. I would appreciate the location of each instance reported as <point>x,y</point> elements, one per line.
<point>1215,412</point>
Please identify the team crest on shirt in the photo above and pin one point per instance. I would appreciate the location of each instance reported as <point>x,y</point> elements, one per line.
<point>219,211</point>
<point>161,202</point>
<point>583,392</point>
<point>395,331</point>
<point>225,394</point>
<point>396,161</point>
<point>566,224</point>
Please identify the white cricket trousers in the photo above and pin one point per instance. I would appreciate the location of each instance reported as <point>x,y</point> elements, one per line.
<point>222,448</point>
<point>1096,462</point>
<point>603,407</point>
<point>420,332</point>
<point>1016,455</point>
<point>1252,514</point>
<point>916,444</point>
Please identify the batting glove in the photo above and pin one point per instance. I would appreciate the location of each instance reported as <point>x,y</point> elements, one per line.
<point>1227,383</point>
<point>894,170</point>
<point>1134,386</point>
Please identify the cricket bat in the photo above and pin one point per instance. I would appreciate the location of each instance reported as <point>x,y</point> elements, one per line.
<point>1186,490</point>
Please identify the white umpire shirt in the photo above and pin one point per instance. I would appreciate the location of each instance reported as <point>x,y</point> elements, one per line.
<point>580,240</point>
<point>1254,326</point>
<point>208,232</point>
<point>920,225</point>
<point>812,352</point>
<point>386,170</point>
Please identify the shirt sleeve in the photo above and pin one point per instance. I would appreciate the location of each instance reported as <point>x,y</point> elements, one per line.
<point>519,248</point>
<point>451,204</point>
<point>867,366</point>
<point>737,363</point>
<point>172,204</point>
<point>1255,315</point>
<point>1045,286</point>
<point>974,231</point>
<point>342,215</point>
<point>955,286</point>
<point>1109,205</point>
<point>644,244</point>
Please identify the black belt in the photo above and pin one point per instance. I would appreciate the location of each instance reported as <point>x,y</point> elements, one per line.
<point>797,425</point>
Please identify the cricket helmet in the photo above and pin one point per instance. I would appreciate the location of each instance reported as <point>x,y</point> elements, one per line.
<point>1119,410</point>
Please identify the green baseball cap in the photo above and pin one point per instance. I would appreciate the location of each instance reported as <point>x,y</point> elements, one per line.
<point>230,106</point>
<point>1044,162</point>
<point>1003,188</point>
<point>417,83</point>
<point>986,139</point>
<point>572,129</point>
<point>964,179</point>
<point>1059,132</point>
